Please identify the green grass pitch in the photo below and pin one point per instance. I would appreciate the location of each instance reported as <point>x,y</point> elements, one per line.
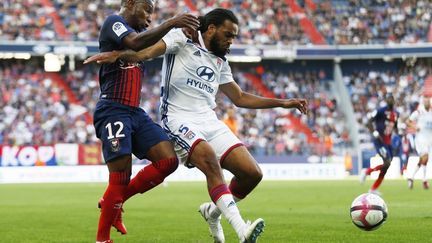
<point>294,211</point>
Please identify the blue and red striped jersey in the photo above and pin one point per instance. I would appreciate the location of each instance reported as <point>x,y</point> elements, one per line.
<point>385,123</point>
<point>119,81</point>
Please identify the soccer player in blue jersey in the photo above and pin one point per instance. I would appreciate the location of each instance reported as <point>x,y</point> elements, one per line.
<point>122,126</point>
<point>382,124</point>
<point>193,71</point>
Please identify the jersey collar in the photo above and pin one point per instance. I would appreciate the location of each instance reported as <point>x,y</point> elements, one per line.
<point>201,41</point>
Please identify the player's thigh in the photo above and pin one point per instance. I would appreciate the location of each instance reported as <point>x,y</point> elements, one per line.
<point>122,163</point>
<point>160,151</point>
<point>422,145</point>
<point>241,163</point>
<point>204,158</point>
<point>149,140</point>
<point>114,129</point>
<point>231,153</point>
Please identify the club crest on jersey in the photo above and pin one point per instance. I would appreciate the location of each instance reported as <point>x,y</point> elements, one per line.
<point>190,135</point>
<point>219,62</point>
<point>197,53</point>
<point>206,73</point>
<point>115,144</point>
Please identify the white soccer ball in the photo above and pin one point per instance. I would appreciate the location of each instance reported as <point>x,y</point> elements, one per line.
<point>368,211</point>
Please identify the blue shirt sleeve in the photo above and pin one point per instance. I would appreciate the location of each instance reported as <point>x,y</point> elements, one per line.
<point>112,33</point>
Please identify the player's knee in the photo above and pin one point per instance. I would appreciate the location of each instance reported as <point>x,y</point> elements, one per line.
<point>213,165</point>
<point>257,176</point>
<point>385,167</point>
<point>166,166</point>
<point>423,160</point>
<point>210,167</point>
<point>252,176</point>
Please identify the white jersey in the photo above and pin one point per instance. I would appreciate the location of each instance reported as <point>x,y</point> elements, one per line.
<point>423,119</point>
<point>190,78</point>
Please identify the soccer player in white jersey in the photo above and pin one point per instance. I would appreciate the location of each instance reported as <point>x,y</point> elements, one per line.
<point>193,71</point>
<point>422,118</point>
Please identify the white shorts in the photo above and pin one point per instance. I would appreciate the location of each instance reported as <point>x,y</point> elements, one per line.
<point>186,134</point>
<point>423,144</point>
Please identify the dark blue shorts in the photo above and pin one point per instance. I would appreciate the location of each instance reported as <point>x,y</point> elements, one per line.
<point>384,150</point>
<point>125,130</point>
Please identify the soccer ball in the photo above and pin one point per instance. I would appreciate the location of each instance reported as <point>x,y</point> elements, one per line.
<point>368,211</point>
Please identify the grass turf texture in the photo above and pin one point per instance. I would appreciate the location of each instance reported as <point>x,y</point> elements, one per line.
<point>294,211</point>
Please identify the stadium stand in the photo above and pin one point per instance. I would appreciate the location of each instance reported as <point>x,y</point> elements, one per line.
<point>60,110</point>
<point>368,87</point>
<point>373,22</point>
<point>35,110</point>
<point>263,22</point>
<point>26,20</point>
<point>284,24</point>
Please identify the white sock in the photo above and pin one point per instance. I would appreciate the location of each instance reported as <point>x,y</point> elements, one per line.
<point>424,172</point>
<point>229,209</point>
<point>415,171</point>
<point>215,211</point>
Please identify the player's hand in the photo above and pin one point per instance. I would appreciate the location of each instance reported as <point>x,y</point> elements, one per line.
<point>103,57</point>
<point>375,136</point>
<point>191,34</point>
<point>186,20</point>
<point>299,104</point>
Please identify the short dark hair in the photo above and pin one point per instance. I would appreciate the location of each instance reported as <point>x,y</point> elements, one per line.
<point>148,1</point>
<point>217,17</point>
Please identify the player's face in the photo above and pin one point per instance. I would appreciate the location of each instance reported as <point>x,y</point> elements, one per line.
<point>223,37</point>
<point>390,101</point>
<point>426,102</point>
<point>142,11</point>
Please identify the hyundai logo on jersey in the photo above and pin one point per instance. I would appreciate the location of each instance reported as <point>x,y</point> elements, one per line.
<point>206,73</point>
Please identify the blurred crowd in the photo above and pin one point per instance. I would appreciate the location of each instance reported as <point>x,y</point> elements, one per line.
<point>261,22</point>
<point>324,119</point>
<point>26,20</point>
<point>368,89</point>
<point>373,21</point>
<point>35,110</point>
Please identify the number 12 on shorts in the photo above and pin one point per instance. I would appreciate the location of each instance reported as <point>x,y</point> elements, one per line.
<point>119,133</point>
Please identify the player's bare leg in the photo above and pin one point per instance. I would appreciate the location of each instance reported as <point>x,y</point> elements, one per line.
<point>204,158</point>
<point>112,200</point>
<point>247,175</point>
<point>422,163</point>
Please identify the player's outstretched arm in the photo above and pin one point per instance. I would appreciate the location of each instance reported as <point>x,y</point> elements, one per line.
<point>149,37</point>
<point>247,100</point>
<point>129,55</point>
<point>412,120</point>
<point>370,122</point>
